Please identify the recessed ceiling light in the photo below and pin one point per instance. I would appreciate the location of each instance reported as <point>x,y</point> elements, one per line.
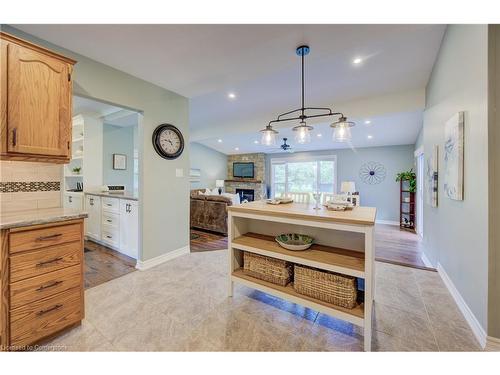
<point>236,149</point>
<point>256,142</point>
<point>368,122</point>
<point>319,135</point>
<point>357,60</point>
<point>370,136</point>
<point>219,140</point>
<point>231,95</point>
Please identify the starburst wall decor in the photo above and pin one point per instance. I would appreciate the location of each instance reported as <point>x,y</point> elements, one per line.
<point>372,173</point>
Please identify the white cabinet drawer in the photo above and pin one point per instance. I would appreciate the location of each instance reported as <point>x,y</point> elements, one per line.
<point>110,236</point>
<point>111,219</point>
<point>111,204</point>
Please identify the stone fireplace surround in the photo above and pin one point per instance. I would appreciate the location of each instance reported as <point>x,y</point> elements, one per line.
<point>257,184</point>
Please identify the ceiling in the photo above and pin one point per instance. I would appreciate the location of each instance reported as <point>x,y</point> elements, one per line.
<point>258,64</point>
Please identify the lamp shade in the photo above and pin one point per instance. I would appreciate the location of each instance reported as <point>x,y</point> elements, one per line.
<point>219,183</point>
<point>347,187</point>
<point>268,136</point>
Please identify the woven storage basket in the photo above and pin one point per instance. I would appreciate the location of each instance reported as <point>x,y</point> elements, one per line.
<point>275,271</point>
<point>340,290</point>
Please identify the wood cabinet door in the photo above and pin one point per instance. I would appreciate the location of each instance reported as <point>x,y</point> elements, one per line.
<point>39,103</point>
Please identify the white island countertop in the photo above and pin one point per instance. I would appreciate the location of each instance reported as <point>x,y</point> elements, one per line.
<point>41,216</point>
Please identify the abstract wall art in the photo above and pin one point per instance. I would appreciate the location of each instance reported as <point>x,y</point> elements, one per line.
<point>431,177</point>
<point>454,157</point>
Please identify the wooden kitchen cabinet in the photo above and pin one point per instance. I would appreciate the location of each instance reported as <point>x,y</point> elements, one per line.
<point>41,282</point>
<point>36,96</point>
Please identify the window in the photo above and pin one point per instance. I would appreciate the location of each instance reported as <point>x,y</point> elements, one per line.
<point>303,175</point>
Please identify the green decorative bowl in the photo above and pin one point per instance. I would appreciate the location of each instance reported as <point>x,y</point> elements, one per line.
<point>294,241</point>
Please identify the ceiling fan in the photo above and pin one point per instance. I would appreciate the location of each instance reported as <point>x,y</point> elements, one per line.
<point>285,147</point>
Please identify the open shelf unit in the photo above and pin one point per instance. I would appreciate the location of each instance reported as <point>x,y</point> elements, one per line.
<point>407,213</point>
<point>253,230</point>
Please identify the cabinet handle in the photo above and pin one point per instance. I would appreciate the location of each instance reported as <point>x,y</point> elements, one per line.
<point>70,198</point>
<point>109,237</point>
<point>109,221</point>
<point>47,238</point>
<point>14,136</point>
<point>55,260</point>
<point>51,285</point>
<point>53,308</point>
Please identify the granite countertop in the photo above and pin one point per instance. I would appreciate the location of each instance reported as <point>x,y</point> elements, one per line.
<point>41,216</point>
<point>124,195</point>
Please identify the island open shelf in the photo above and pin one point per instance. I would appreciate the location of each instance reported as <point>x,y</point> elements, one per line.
<point>355,315</point>
<point>343,244</point>
<point>329,258</point>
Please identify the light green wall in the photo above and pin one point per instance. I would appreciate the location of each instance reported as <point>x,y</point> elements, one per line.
<point>118,140</point>
<point>383,196</point>
<point>211,163</point>
<point>164,198</point>
<point>456,232</point>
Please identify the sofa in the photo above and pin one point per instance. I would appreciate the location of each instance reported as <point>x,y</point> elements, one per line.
<point>209,212</point>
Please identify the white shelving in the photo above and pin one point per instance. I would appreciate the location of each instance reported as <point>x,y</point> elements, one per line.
<point>74,199</point>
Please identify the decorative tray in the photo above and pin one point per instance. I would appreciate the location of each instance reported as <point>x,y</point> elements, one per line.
<point>294,241</point>
<point>279,201</point>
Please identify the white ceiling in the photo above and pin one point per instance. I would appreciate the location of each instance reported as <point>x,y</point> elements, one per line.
<point>258,63</point>
<point>388,130</point>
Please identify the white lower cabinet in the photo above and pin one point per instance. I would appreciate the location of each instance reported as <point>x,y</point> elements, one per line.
<point>93,221</point>
<point>114,222</point>
<point>73,200</point>
<point>129,228</point>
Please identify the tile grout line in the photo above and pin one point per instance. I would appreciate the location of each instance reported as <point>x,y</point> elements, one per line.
<point>426,311</point>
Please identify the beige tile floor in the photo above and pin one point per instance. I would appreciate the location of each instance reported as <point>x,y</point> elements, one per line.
<point>182,305</point>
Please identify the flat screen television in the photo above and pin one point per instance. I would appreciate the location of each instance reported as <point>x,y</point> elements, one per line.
<point>243,170</point>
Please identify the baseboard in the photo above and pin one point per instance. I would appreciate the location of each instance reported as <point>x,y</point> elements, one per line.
<point>147,264</point>
<point>426,260</point>
<point>469,316</point>
<point>387,222</point>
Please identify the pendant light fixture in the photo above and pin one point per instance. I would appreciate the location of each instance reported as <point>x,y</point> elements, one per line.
<point>303,131</point>
<point>342,130</point>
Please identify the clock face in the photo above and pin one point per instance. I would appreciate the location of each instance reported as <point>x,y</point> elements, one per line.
<point>168,141</point>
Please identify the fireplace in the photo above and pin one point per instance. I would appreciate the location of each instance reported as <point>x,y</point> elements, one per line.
<point>247,194</point>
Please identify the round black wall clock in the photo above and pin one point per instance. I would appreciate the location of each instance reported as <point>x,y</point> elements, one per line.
<point>168,141</point>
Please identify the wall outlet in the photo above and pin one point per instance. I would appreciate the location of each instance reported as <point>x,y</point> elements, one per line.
<point>179,172</point>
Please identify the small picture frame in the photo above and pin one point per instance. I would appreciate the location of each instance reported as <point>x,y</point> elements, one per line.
<point>119,161</point>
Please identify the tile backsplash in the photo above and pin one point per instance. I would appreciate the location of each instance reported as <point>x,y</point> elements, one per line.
<point>27,186</point>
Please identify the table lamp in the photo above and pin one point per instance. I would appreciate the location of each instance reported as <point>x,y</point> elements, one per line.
<point>219,184</point>
<point>348,187</point>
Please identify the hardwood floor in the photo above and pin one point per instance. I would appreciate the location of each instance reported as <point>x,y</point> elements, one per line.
<point>396,246</point>
<point>103,264</point>
<point>206,241</point>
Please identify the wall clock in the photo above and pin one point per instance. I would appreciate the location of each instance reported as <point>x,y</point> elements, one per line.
<point>372,173</point>
<point>168,141</point>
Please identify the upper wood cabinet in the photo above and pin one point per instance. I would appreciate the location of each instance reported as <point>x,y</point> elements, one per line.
<point>36,92</point>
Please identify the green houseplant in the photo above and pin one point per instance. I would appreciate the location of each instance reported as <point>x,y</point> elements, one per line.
<point>76,170</point>
<point>409,176</point>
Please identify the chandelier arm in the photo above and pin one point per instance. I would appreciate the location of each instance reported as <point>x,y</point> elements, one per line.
<point>289,112</point>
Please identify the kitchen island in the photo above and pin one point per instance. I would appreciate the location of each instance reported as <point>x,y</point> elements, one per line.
<point>343,243</point>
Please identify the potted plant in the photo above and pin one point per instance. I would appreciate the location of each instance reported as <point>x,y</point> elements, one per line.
<point>76,170</point>
<point>409,176</point>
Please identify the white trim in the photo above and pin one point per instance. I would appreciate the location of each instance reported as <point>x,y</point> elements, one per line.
<point>147,264</point>
<point>387,222</point>
<point>419,151</point>
<point>469,316</point>
<point>426,260</point>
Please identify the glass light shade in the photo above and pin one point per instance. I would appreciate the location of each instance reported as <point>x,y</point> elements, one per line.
<point>302,134</point>
<point>342,130</point>
<point>268,136</point>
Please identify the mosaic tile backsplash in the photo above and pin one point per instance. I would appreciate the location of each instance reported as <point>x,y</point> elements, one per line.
<point>28,186</point>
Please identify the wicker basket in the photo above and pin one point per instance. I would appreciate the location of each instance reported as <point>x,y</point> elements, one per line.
<point>275,271</point>
<point>340,290</point>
